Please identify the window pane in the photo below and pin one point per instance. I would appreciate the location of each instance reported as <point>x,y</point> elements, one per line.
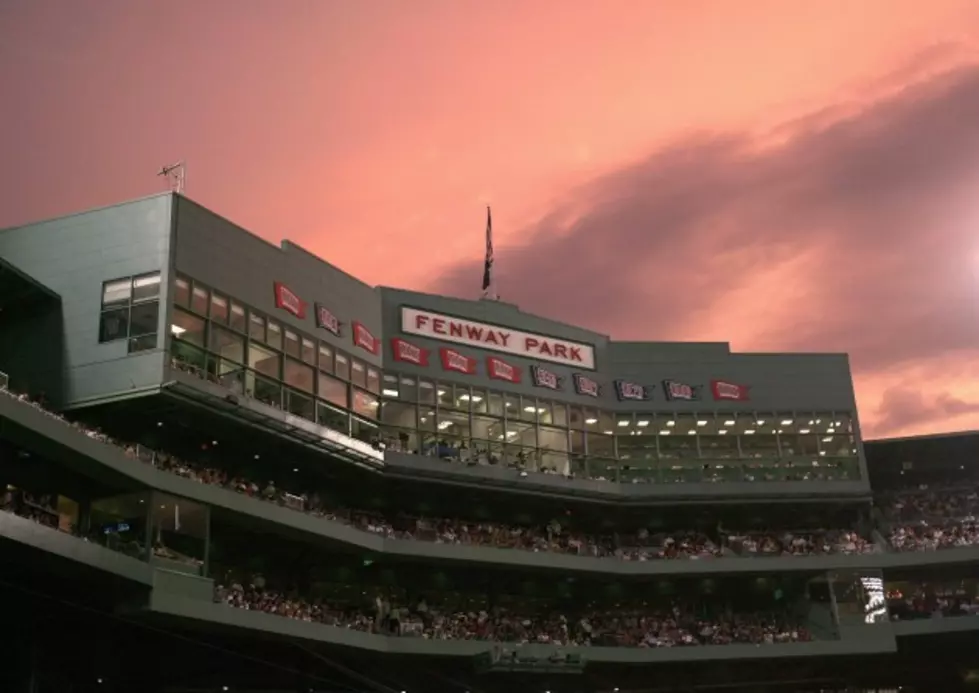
<point>143,318</point>
<point>332,390</point>
<point>298,375</point>
<point>342,366</point>
<point>198,300</point>
<point>187,327</point>
<point>365,404</point>
<point>114,325</point>
<point>309,351</point>
<point>398,414</point>
<point>358,374</point>
<point>228,344</point>
<point>146,287</point>
<point>373,381</point>
<point>219,308</point>
<point>256,327</point>
<point>116,293</point>
<point>181,294</point>
<point>326,359</point>
<point>274,335</point>
<point>292,344</point>
<point>144,343</point>
<point>237,317</point>
<point>264,361</point>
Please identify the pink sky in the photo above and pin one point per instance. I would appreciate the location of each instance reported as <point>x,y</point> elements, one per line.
<point>780,175</point>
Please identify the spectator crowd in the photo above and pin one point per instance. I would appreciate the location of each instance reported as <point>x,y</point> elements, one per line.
<point>676,625</point>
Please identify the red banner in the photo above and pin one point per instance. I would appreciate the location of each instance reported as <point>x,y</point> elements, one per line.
<point>288,300</point>
<point>722,389</point>
<point>408,352</point>
<point>498,369</point>
<point>364,339</point>
<point>452,360</point>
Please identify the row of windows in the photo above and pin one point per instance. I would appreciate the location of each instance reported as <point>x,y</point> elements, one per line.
<point>230,322</point>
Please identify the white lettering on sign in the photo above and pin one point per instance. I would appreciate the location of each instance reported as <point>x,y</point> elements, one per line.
<point>495,338</point>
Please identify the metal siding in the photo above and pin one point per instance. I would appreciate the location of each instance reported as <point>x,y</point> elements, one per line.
<point>73,255</point>
<point>231,260</point>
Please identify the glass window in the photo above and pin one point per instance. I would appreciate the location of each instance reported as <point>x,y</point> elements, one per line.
<point>358,374</point>
<point>292,344</point>
<point>362,429</point>
<point>143,318</point>
<point>116,293</point>
<point>273,335</point>
<point>589,420</point>
<point>521,433</point>
<point>146,287</point>
<point>301,405</point>
<point>309,351</point>
<point>263,360</point>
<point>444,392</point>
<point>113,325</point>
<point>390,386</point>
<point>332,390</point>
<point>487,428</point>
<point>495,407</point>
<point>144,343</point>
<point>408,389</point>
<point>553,443</point>
<point>227,344</point>
<point>342,366</point>
<point>511,406</point>
<point>426,392</point>
<point>237,321</point>
<point>601,445</point>
<point>454,424</point>
<point>399,414</point>
<point>256,327</point>
<point>759,435</point>
<point>326,358</point>
<point>462,398</point>
<point>365,404</point>
<point>577,418</point>
<point>373,381</point>
<point>606,422</point>
<point>333,418</point>
<point>187,327</point>
<point>219,309</point>
<point>477,401</point>
<point>181,293</point>
<point>198,300</point>
<point>559,414</point>
<point>675,438</point>
<point>298,375</point>
<point>528,412</point>
<point>716,440</point>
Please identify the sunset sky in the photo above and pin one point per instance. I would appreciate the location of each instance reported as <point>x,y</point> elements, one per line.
<point>780,174</point>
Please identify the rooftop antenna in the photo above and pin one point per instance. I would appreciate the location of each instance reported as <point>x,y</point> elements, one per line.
<point>176,175</point>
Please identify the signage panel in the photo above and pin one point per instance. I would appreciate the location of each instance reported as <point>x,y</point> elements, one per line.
<point>726,390</point>
<point>538,347</point>
<point>365,339</point>
<point>326,319</point>
<point>288,300</point>
<point>408,352</point>
<point>498,369</point>
<point>452,360</point>
<point>676,390</point>
<point>584,385</point>
<point>545,378</point>
<point>631,391</point>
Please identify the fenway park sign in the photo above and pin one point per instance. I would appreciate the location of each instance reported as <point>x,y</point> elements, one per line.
<point>538,347</point>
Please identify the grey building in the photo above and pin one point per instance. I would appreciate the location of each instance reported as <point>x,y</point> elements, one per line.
<point>161,290</point>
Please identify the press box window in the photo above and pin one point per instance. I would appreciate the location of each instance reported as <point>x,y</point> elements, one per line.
<point>131,311</point>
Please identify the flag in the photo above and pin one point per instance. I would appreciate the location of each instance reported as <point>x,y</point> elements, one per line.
<point>488,264</point>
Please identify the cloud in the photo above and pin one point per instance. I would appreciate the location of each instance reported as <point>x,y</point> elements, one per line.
<point>855,229</point>
<point>901,406</point>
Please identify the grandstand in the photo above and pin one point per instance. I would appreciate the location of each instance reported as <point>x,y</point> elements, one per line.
<point>228,466</point>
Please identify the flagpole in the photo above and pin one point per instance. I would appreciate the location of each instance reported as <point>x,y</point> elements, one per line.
<point>489,285</point>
